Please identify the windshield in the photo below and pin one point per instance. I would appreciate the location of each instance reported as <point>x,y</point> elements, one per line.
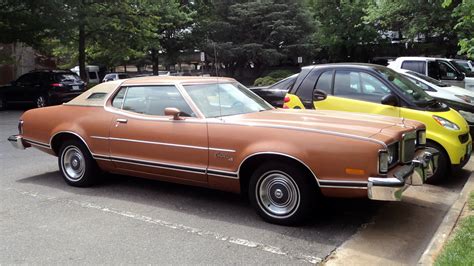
<point>408,88</point>
<point>428,79</point>
<point>224,99</point>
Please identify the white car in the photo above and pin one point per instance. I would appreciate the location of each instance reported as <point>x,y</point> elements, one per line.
<point>466,64</point>
<point>455,97</point>
<point>437,68</point>
<point>115,76</point>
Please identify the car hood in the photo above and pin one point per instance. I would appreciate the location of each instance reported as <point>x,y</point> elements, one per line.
<point>455,90</point>
<point>363,125</point>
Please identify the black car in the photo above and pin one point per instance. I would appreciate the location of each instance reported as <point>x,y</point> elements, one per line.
<point>42,88</point>
<point>275,93</point>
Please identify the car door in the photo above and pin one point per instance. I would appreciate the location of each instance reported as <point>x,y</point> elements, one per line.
<point>354,91</point>
<point>444,71</point>
<point>142,139</point>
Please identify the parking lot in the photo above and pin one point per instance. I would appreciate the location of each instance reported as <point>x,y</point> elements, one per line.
<point>132,220</point>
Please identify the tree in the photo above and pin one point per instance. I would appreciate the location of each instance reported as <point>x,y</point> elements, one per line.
<point>411,18</point>
<point>340,27</point>
<point>464,14</point>
<point>254,33</point>
<point>110,31</point>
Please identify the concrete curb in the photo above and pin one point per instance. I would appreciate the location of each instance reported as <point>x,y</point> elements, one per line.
<point>447,225</point>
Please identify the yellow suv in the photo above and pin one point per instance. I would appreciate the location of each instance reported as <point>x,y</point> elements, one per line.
<point>375,89</point>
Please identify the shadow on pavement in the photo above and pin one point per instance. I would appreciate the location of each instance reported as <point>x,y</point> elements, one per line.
<point>333,222</point>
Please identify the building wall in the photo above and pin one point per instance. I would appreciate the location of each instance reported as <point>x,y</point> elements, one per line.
<point>19,59</point>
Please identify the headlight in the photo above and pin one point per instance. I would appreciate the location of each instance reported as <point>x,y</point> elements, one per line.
<point>383,161</point>
<point>393,154</point>
<point>467,115</point>
<point>446,123</point>
<point>421,138</point>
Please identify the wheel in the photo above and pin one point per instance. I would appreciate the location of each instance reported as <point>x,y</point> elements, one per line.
<point>76,164</point>
<point>3,103</point>
<point>281,193</point>
<point>443,164</point>
<point>41,101</point>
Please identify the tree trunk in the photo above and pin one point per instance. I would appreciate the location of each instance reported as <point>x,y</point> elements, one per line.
<point>155,61</point>
<point>82,46</point>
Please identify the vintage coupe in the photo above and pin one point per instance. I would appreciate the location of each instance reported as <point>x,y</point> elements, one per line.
<point>214,132</point>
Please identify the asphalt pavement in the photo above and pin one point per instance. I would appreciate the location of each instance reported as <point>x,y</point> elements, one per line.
<point>132,220</point>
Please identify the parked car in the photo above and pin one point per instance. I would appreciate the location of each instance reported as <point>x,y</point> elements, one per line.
<point>216,133</point>
<point>461,67</point>
<point>275,93</point>
<point>437,68</point>
<point>466,64</point>
<point>92,73</point>
<point>42,88</point>
<point>375,89</point>
<point>115,76</point>
<point>459,99</point>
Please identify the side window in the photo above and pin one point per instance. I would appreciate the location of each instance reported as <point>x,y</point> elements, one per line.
<point>446,71</point>
<point>359,86</point>
<point>347,83</point>
<point>433,70</point>
<point>92,75</point>
<point>417,66</point>
<point>153,100</point>
<point>118,99</point>
<point>324,82</point>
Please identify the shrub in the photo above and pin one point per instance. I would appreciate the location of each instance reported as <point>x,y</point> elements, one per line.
<point>272,77</point>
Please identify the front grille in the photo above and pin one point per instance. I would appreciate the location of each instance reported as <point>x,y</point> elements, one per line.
<point>408,147</point>
<point>464,138</point>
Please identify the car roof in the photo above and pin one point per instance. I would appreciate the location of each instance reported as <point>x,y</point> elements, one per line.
<point>175,80</point>
<point>108,88</point>
<point>342,65</point>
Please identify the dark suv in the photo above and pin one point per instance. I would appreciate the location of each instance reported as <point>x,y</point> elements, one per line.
<point>42,88</point>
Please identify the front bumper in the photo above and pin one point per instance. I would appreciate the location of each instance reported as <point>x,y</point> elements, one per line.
<point>416,173</point>
<point>17,142</point>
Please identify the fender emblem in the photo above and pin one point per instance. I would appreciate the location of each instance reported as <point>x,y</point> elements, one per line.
<point>221,155</point>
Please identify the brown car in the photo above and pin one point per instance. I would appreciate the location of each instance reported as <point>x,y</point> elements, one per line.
<point>214,132</point>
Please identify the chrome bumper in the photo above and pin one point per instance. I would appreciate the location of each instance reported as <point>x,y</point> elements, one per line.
<point>391,188</point>
<point>16,141</point>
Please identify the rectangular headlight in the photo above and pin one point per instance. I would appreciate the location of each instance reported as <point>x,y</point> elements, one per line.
<point>393,154</point>
<point>421,138</point>
<point>383,161</point>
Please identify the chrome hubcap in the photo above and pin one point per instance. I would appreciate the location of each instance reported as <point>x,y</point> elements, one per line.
<point>73,163</point>
<point>278,194</point>
<point>40,102</point>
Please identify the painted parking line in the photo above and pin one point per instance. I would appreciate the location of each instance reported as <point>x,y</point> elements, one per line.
<point>175,226</point>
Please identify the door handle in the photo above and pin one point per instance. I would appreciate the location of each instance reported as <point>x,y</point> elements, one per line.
<point>122,120</point>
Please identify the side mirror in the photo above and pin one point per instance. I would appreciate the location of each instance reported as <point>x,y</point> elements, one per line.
<point>390,99</point>
<point>461,76</point>
<point>319,95</point>
<point>175,112</point>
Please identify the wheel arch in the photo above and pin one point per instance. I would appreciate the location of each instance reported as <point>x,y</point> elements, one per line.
<point>251,161</point>
<point>62,136</point>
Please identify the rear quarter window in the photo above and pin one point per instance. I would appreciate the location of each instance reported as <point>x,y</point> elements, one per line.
<point>417,66</point>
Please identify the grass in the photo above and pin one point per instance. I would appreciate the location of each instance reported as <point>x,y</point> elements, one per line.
<point>460,249</point>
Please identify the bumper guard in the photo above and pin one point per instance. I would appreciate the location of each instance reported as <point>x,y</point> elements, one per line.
<point>416,173</point>
<point>17,142</point>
